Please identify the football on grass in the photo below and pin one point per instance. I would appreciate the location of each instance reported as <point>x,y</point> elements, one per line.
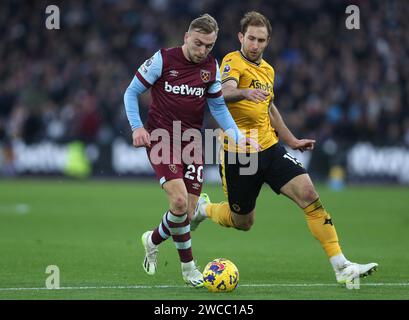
<point>221,275</point>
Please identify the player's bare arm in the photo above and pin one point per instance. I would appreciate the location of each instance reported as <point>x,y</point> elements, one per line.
<point>141,138</point>
<point>233,94</point>
<point>285,134</point>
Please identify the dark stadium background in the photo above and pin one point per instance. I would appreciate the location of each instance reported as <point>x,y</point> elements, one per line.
<point>341,87</point>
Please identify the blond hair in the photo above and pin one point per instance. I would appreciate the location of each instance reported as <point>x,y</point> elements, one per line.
<point>204,24</point>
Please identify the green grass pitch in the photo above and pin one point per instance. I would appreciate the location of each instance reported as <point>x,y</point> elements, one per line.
<point>91,230</point>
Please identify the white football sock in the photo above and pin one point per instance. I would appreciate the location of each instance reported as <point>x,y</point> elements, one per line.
<point>203,211</point>
<point>338,261</point>
<point>188,265</point>
<point>150,242</point>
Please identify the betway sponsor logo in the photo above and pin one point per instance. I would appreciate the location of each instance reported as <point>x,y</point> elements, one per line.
<point>184,90</point>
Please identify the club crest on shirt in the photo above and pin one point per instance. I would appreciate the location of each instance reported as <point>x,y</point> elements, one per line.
<point>205,75</point>
<point>173,168</point>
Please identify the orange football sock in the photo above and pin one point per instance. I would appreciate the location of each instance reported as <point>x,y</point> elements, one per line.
<point>321,226</point>
<point>220,213</point>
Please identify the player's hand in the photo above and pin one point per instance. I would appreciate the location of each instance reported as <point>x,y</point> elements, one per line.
<point>255,95</point>
<point>244,142</point>
<point>303,144</point>
<point>141,138</point>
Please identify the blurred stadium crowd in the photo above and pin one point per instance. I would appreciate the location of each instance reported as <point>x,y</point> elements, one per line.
<point>331,82</point>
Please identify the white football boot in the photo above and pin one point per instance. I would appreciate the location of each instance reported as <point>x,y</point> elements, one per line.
<point>151,254</point>
<point>200,213</point>
<point>350,271</point>
<point>191,275</point>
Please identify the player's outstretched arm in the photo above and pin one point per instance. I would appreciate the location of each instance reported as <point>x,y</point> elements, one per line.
<point>221,114</point>
<point>285,134</point>
<point>148,73</point>
<point>140,137</point>
<point>232,93</point>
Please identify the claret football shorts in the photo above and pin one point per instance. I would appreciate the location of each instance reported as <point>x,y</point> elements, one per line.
<point>191,173</point>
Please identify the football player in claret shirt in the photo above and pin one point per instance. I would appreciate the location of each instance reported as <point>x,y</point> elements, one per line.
<point>247,81</point>
<point>182,80</point>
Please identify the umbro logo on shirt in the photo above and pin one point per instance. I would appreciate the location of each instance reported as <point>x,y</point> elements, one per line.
<point>184,90</point>
<point>174,73</point>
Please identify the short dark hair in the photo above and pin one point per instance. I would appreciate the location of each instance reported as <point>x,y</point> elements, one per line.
<point>204,24</point>
<point>254,19</point>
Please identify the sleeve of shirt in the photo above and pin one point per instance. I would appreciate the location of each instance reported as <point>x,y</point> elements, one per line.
<point>230,70</point>
<point>134,90</point>
<point>221,114</point>
<point>150,70</point>
<point>272,83</point>
<point>215,89</point>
